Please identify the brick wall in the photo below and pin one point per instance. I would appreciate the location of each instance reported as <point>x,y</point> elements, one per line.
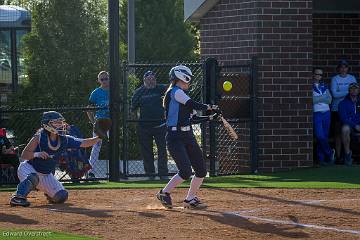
<point>227,32</point>
<point>285,115</point>
<point>280,34</point>
<point>336,36</point>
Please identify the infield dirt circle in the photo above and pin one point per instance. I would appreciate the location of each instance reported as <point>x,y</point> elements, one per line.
<point>232,214</point>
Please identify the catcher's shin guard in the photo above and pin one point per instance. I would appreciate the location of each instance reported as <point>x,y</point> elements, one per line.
<point>26,186</point>
<point>164,198</point>
<point>60,197</point>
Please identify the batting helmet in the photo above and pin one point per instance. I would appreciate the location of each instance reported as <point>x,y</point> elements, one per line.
<point>53,122</point>
<point>180,72</point>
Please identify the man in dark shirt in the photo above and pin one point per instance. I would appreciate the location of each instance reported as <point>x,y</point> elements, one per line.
<point>148,98</point>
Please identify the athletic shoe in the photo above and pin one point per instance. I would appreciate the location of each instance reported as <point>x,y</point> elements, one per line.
<point>91,175</point>
<point>332,157</point>
<point>164,177</point>
<point>323,163</point>
<point>19,201</point>
<point>152,178</point>
<point>164,198</point>
<point>348,159</point>
<point>194,203</point>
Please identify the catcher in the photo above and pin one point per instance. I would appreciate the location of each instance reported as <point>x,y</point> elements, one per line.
<point>35,172</point>
<point>101,119</point>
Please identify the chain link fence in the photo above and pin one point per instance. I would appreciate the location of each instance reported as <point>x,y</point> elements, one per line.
<point>139,130</point>
<point>235,156</point>
<point>223,155</point>
<point>232,155</point>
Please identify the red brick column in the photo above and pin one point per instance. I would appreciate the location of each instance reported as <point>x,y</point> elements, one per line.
<point>280,34</point>
<point>285,96</point>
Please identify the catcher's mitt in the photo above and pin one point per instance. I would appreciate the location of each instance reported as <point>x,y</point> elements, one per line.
<point>101,127</point>
<point>74,162</point>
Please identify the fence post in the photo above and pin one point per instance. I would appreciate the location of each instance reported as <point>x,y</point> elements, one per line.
<point>254,120</point>
<point>14,65</point>
<point>211,78</point>
<point>125,139</point>
<point>114,72</point>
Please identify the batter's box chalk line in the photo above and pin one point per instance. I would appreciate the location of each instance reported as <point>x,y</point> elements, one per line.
<point>319,201</point>
<point>281,222</point>
<point>161,207</point>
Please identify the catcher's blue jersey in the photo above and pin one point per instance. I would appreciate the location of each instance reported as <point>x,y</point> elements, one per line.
<point>47,166</point>
<point>100,98</point>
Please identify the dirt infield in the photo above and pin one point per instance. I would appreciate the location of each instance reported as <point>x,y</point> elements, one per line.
<point>232,214</point>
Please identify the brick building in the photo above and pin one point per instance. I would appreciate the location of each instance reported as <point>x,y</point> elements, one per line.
<point>289,37</point>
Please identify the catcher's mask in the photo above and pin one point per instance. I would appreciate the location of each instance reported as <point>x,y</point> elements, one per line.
<point>54,122</point>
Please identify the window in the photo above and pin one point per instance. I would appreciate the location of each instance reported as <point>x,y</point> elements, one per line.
<point>5,57</point>
<point>20,54</point>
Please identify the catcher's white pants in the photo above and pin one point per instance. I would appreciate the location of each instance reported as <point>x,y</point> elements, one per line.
<point>47,182</point>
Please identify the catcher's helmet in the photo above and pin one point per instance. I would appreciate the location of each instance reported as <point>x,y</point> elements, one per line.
<point>180,72</point>
<point>53,122</point>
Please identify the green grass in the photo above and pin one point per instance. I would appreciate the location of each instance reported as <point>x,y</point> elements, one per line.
<point>39,235</point>
<point>326,177</point>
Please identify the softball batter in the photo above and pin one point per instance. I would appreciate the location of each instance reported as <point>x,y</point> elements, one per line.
<point>180,139</point>
<point>36,171</point>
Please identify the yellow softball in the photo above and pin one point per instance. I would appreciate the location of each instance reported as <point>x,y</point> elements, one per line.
<point>227,86</point>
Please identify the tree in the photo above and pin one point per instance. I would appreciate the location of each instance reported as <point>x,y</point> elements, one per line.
<point>161,34</point>
<point>64,51</point>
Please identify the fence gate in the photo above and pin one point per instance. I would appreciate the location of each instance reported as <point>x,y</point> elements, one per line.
<point>239,108</point>
<point>132,159</point>
<point>223,155</point>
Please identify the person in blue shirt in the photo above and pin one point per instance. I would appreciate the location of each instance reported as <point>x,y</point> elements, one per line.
<point>36,170</point>
<point>99,98</point>
<point>180,114</point>
<point>350,118</point>
<point>148,98</point>
<point>321,100</point>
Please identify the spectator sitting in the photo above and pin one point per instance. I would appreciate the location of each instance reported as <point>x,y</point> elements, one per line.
<point>8,154</point>
<point>321,100</point>
<point>339,89</point>
<point>350,119</point>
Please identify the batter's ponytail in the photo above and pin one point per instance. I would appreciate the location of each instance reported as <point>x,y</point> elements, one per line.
<point>166,98</point>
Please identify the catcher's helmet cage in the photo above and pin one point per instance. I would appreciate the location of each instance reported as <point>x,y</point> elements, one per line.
<point>180,72</point>
<point>53,122</point>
